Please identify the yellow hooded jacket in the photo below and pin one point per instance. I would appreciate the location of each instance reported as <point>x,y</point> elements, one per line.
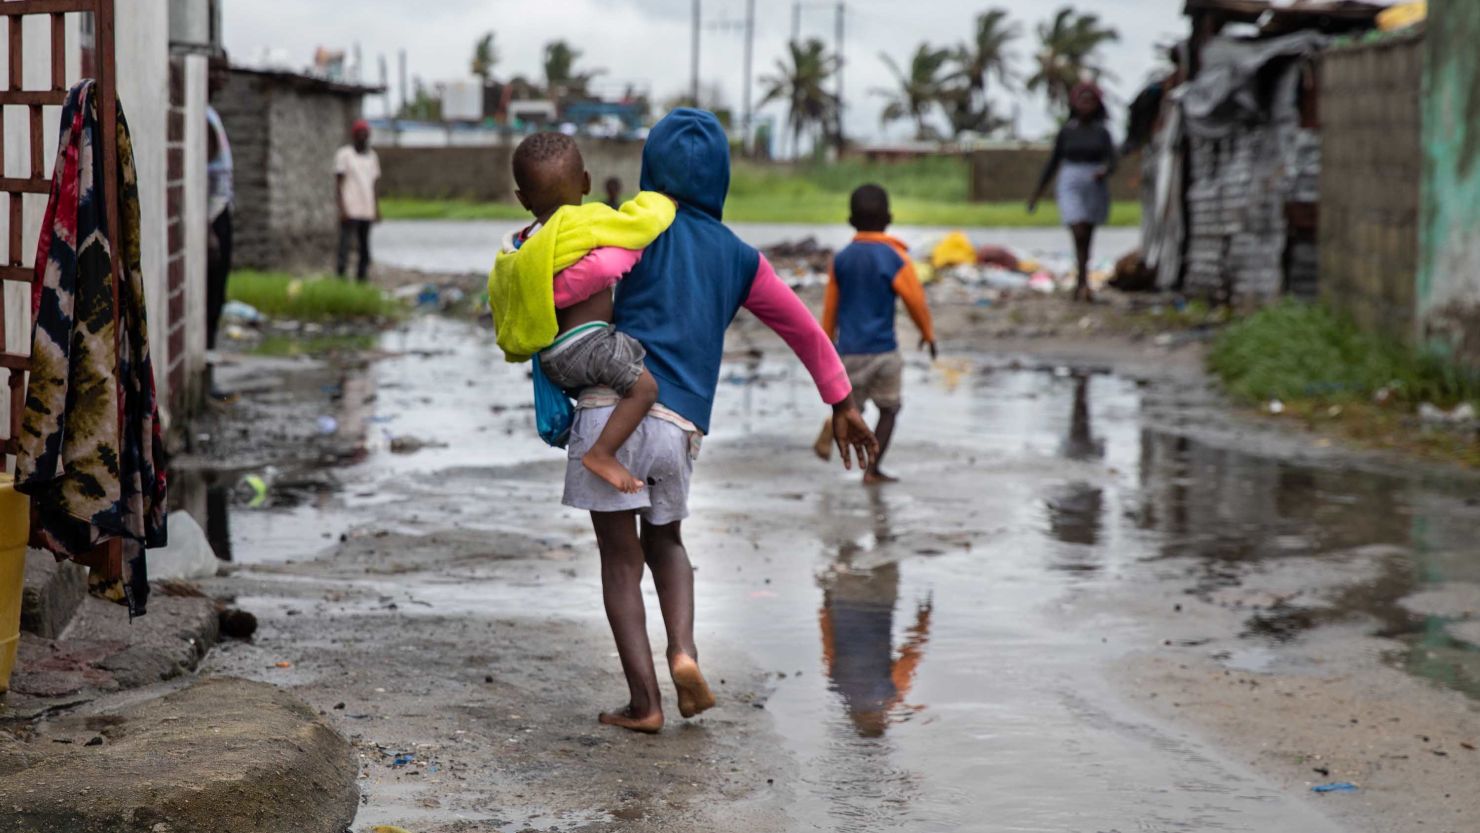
<point>521,289</point>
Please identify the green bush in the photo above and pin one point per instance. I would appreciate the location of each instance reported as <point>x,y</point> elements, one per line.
<point>1294,350</point>
<point>279,295</point>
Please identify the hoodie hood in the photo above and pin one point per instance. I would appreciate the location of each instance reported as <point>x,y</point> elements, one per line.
<point>687,157</point>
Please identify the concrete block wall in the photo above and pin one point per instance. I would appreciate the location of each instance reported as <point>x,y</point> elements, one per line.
<point>283,139</point>
<point>482,173</point>
<point>1371,97</point>
<point>1011,174</point>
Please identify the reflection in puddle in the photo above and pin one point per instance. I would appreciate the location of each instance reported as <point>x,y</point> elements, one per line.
<point>857,620</point>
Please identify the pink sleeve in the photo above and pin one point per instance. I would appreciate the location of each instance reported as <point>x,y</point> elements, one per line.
<point>598,271</point>
<point>779,308</point>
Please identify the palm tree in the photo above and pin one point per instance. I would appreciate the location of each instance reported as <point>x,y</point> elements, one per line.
<point>485,55</point>
<point>966,102</point>
<point>987,54</point>
<point>1070,52</point>
<point>803,85</point>
<point>919,90</point>
<point>560,73</point>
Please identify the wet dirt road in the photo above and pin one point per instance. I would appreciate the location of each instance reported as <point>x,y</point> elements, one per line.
<point>975,648</point>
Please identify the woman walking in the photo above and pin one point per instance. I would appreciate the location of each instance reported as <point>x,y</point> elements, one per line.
<point>1084,158</point>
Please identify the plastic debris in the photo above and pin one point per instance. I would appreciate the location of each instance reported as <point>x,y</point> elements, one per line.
<point>402,759</point>
<point>954,250</point>
<point>255,490</point>
<point>1337,787</point>
<point>1275,407</point>
<point>1460,415</point>
<point>239,312</point>
<point>328,424</point>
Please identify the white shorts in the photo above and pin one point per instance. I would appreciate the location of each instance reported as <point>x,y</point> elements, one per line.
<point>657,453</point>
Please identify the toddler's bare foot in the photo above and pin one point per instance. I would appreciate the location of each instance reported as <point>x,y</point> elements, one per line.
<point>824,445</point>
<point>650,724</point>
<point>875,477</point>
<point>694,695</point>
<point>606,467</point>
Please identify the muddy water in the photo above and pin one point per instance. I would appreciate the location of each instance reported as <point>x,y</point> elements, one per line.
<point>469,246</point>
<point>933,666</point>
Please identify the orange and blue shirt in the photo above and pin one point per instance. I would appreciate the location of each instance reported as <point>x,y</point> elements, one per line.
<point>866,278</point>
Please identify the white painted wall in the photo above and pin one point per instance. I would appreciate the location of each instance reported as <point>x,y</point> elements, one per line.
<point>142,53</point>
<point>194,217</point>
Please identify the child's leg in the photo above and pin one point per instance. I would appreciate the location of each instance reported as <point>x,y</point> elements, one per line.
<point>884,431</point>
<point>674,576</point>
<point>601,459</point>
<point>621,590</point>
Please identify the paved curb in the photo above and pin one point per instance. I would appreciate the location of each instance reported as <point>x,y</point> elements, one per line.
<point>223,754</point>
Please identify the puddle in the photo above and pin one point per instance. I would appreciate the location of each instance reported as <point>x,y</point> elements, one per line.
<point>921,639</point>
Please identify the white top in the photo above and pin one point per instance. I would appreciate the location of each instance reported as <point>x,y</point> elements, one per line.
<point>360,171</point>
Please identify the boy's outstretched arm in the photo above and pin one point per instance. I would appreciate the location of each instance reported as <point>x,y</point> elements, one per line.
<point>773,302</point>
<point>909,289</point>
<point>830,305</point>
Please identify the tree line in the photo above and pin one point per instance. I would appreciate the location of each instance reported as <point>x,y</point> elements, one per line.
<point>953,82</point>
<point>949,84</point>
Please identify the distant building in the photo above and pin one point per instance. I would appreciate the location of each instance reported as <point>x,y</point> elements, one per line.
<point>284,129</point>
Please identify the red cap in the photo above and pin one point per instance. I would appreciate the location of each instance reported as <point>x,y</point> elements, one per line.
<point>359,126</point>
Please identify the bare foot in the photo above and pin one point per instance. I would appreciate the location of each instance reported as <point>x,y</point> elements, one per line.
<point>648,724</point>
<point>876,477</point>
<point>694,695</point>
<point>606,467</point>
<point>824,445</point>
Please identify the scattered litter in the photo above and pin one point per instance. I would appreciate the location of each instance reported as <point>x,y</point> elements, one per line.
<point>282,664</point>
<point>253,489</point>
<point>1461,415</point>
<point>328,424</point>
<point>1275,407</point>
<point>403,759</point>
<point>388,828</point>
<point>1337,787</point>
<point>238,312</point>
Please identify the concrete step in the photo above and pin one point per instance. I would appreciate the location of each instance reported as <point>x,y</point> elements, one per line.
<point>222,754</point>
<point>53,590</point>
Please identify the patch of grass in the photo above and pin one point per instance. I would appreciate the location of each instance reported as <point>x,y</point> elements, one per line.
<point>925,192</point>
<point>1294,350</point>
<point>1333,377</point>
<point>280,295</point>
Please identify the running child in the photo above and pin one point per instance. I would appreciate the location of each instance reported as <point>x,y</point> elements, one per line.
<point>550,291</point>
<point>858,315</point>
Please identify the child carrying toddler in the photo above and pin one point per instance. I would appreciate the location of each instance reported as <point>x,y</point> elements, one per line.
<point>550,290</point>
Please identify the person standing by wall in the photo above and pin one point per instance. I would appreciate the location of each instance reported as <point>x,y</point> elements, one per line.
<point>356,172</point>
<point>220,196</point>
<point>1084,158</point>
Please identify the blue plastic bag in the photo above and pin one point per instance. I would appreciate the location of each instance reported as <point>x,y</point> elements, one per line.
<point>553,411</point>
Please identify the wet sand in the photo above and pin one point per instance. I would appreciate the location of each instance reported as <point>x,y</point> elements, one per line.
<point>992,644</point>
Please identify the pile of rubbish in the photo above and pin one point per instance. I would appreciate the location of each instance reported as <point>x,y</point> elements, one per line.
<point>961,271</point>
<point>801,263</point>
<point>965,273</point>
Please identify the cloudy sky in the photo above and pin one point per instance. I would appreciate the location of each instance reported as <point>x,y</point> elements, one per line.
<point>646,42</point>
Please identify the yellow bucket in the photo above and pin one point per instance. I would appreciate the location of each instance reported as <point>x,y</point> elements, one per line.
<point>15,521</point>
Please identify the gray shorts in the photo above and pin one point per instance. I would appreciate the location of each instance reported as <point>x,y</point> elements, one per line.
<point>657,453</point>
<point>876,377</point>
<point>600,357</point>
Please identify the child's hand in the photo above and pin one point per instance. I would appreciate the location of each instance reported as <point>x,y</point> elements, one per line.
<point>852,435</point>
<point>928,343</point>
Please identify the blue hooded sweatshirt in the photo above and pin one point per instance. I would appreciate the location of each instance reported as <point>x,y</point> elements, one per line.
<point>691,281</point>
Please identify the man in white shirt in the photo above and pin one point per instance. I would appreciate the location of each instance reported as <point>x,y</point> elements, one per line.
<point>356,171</point>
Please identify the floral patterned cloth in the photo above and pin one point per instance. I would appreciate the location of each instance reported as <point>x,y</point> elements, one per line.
<point>92,452</point>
